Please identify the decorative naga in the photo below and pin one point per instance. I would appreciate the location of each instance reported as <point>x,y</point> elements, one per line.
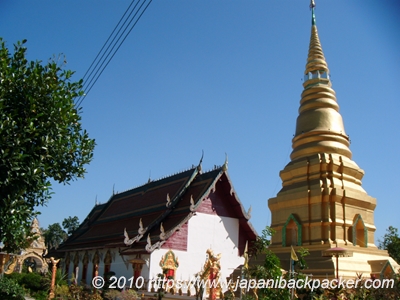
<point>12,262</point>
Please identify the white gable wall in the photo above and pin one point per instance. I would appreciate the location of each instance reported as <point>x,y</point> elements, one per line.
<point>221,234</point>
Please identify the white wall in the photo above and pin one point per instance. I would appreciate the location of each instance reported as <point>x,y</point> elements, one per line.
<point>205,231</point>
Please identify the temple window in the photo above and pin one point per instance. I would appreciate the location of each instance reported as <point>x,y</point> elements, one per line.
<point>291,233</point>
<point>360,233</point>
<point>387,271</point>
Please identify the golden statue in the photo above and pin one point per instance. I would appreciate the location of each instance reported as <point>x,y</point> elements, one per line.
<point>211,274</point>
<point>169,263</point>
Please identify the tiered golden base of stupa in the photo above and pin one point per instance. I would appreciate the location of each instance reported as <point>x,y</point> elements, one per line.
<point>322,201</point>
<point>320,206</point>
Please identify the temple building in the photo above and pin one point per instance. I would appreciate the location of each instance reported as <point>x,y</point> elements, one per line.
<point>32,258</point>
<point>170,226</point>
<point>322,205</point>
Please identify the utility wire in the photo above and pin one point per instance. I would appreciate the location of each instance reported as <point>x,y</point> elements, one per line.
<point>93,79</point>
<point>99,69</point>
<point>115,28</point>
<point>89,81</point>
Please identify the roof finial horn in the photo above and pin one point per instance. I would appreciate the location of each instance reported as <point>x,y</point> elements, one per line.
<point>199,168</point>
<point>225,166</point>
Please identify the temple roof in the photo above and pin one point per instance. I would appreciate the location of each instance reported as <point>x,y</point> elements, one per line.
<point>149,214</point>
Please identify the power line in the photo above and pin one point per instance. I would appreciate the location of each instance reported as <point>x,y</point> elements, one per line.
<point>103,62</point>
<point>116,26</point>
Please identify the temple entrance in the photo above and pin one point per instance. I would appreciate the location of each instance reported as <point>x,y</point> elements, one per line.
<point>31,262</point>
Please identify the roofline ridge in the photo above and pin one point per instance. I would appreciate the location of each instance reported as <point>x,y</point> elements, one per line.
<point>151,181</point>
<point>214,168</point>
<point>174,174</point>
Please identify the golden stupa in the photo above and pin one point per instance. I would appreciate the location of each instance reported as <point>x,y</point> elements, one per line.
<point>322,204</point>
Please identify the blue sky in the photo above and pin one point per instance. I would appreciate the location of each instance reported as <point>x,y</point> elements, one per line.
<point>224,77</point>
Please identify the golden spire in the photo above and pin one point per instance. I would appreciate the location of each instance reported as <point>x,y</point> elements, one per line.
<point>319,127</point>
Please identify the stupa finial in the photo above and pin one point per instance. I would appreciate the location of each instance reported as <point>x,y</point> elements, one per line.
<point>319,127</point>
<point>312,6</point>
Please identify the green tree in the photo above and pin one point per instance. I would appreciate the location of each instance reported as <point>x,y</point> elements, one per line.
<point>269,269</point>
<point>70,224</point>
<point>41,139</point>
<point>391,243</point>
<point>54,235</point>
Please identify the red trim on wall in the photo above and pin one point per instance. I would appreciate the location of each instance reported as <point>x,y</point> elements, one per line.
<point>217,204</point>
<point>178,240</point>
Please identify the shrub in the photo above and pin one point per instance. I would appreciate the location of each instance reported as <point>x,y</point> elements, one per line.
<point>10,290</point>
<point>124,295</point>
<point>111,294</point>
<point>61,279</point>
<point>40,295</point>
<point>62,292</point>
<point>128,295</point>
<point>32,281</point>
<point>17,277</point>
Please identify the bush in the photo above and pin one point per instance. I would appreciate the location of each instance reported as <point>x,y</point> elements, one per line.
<point>32,281</point>
<point>17,277</point>
<point>40,295</point>
<point>10,290</point>
<point>128,295</point>
<point>61,279</point>
<point>124,295</point>
<point>111,294</point>
<point>62,292</point>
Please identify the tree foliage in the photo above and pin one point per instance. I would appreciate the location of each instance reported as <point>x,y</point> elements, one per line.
<point>269,269</point>
<point>391,243</point>
<point>54,235</point>
<point>70,224</point>
<point>41,138</point>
